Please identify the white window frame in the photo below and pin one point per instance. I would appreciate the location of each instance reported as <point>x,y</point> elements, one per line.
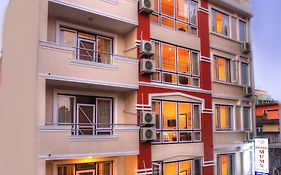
<point>56,119</point>
<point>111,114</point>
<point>250,118</point>
<point>215,59</point>
<point>218,165</point>
<point>77,118</point>
<point>248,73</point>
<point>232,118</point>
<point>190,75</point>
<point>57,92</point>
<point>229,22</point>
<point>246,30</point>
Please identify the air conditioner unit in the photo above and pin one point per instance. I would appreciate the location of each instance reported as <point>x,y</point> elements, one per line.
<point>147,134</point>
<point>147,48</point>
<point>249,137</point>
<point>147,118</point>
<point>146,6</point>
<point>147,66</point>
<point>247,91</point>
<point>245,47</point>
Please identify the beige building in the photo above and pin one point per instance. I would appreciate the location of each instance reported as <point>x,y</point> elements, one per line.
<point>71,89</point>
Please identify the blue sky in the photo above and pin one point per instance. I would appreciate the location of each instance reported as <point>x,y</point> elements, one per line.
<point>266,35</point>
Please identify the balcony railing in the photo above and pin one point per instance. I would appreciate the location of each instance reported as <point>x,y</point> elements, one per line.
<point>88,129</point>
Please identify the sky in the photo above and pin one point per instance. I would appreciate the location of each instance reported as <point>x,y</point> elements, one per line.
<point>266,36</point>
<point>3,5</point>
<point>266,33</point>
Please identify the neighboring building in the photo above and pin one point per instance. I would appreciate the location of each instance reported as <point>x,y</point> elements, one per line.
<point>76,100</point>
<point>268,126</point>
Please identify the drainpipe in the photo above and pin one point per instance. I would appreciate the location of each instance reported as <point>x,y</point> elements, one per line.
<point>3,8</point>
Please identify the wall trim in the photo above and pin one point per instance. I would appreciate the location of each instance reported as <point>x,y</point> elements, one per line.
<point>87,81</point>
<point>83,8</point>
<point>174,87</point>
<point>73,156</point>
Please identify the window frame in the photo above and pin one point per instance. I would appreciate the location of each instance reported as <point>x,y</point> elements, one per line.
<point>161,164</point>
<point>175,19</point>
<point>111,115</point>
<point>231,118</point>
<point>177,130</point>
<point>190,76</point>
<point>248,73</point>
<point>249,119</point>
<point>216,71</point>
<point>231,156</point>
<point>111,97</point>
<point>76,30</point>
<point>216,10</point>
<point>238,30</point>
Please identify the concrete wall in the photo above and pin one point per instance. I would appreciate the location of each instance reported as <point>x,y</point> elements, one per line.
<point>18,71</point>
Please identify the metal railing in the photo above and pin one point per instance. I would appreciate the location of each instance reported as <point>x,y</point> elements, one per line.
<point>86,54</point>
<point>80,129</point>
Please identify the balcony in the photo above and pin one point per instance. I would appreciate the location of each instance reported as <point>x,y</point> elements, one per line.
<point>82,140</point>
<point>82,65</point>
<point>108,13</point>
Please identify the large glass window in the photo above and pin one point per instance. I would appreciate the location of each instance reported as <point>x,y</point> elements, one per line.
<point>88,115</point>
<point>247,118</point>
<point>244,74</point>
<point>176,65</point>
<point>242,31</point>
<point>180,15</point>
<point>183,167</point>
<point>177,121</point>
<point>89,47</point>
<point>223,117</point>
<point>220,23</point>
<point>97,168</point>
<point>221,69</point>
<point>225,164</point>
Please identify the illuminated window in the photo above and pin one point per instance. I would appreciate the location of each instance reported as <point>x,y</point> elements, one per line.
<point>223,117</point>
<point>176,65</point>
<point>225,164</point>
<point>220,23</point>
<point>177,121</point>
<point>183,167</point>
<point>180,15</point>
<point>221,69</point>
<point>242,31</point>
<point>89,47</point>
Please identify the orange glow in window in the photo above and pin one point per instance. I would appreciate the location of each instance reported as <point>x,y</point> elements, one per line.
<point>224,165</point>
<point>219,19</point>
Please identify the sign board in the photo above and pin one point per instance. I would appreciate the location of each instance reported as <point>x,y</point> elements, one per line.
<point>261,156</point>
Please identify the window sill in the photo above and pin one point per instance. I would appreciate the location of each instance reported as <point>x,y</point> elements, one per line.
<point>82,138</point>
<point>62,128</point>
<point>93,64</point>
<point>225,37</point>
<point>227,83</point>
<point>227,131</point>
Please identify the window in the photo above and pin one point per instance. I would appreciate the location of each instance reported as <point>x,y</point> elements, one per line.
<point>242,31</point>
<point>89,47</point>
<point>88,115</point>
<point>184,167</point>
<point>176,65</point>
<point>221,69</point>
<point>244,74</point>
<point>223,117</point>
<point>225,164</point>
<point>180,15</point>
<point>247,118</point>
<point>177,121</point>
<point>97,168</point>
<point>220,23</point>
<point>65,109</point>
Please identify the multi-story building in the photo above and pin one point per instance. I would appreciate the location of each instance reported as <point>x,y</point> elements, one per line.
<point>122,87</point>
<point>268,126</point>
